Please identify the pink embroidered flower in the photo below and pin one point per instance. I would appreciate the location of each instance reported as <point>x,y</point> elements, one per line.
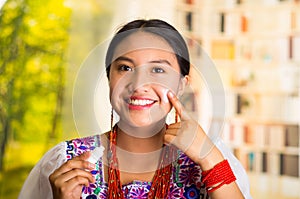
<point>175,192</point>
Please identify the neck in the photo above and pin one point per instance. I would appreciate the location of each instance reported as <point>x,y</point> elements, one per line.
<point>141,139</point>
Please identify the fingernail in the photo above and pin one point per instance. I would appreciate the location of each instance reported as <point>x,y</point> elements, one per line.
<point>171,94</point>
<point>91,166</point>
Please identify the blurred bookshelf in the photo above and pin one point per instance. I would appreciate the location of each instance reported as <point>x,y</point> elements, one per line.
<point>255,45</point>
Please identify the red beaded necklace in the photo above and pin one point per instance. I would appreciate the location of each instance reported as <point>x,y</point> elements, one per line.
<point>161,180</point>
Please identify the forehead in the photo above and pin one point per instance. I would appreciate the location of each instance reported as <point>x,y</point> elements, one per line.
<point>141,41</point>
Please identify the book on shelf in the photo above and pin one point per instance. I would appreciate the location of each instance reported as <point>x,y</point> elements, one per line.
<point>264,162</point>
<point>189,21</point>
<point>270,163</point>
<point>222,22</point>
<point>251,161</point>
<point>256,47</point>
<point>276,136</point>
<point>230,98</point>
<point>244,23</point>
<point>256,135</point>
<point>289,165</point>
<point>232,23</point>
<point>260,135</point>
<point>274,164</point>
<point>237,133</point>
<point>267,161</point>
<point>222,49</point>
<point>295,48</point>
<point>249,135</point>
<point>197,23</point>
<point>292,136</point>
<point>239,104</point>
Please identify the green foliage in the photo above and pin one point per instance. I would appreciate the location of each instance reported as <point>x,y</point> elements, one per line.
<point>33,42</point>
<point>34,38</point>
<point>9,187</point>
<point>16,172</point>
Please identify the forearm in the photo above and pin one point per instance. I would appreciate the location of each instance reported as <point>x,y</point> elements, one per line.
<point>208,162</point>
<point>227,191</point>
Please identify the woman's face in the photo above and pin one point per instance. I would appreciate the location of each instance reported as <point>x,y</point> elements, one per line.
<point>143,70</point>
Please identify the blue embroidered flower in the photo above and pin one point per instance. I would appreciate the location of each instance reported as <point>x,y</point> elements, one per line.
<point>91,197</point>
<point>191,192</point>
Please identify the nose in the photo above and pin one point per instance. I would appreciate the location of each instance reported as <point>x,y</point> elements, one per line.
<point>139,80</point>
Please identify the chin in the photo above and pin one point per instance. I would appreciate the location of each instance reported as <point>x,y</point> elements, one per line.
<point>143,122</point>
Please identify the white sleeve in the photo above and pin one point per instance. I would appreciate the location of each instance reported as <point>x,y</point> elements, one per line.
<point>37,184</point>
<point>238,170</point>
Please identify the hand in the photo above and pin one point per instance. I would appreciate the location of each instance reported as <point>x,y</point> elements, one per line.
<point>187,135</point>
<point>67,181</point>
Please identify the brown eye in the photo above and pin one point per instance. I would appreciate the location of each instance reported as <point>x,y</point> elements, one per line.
<point>125,68</point>
<point>157,70</point>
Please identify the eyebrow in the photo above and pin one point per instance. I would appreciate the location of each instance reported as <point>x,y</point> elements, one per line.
<point>159,61</point>
<point>123,59</point>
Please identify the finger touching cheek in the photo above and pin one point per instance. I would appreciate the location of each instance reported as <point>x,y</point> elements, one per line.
<point>164,97</point>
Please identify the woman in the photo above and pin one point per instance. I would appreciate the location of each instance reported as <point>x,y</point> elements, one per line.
<point>147,64</point>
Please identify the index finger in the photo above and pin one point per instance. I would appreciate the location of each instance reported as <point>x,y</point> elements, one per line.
<point>78,162</point>
<point>178,106</point>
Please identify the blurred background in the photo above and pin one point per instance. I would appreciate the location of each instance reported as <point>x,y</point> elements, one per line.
<point>254,44</point>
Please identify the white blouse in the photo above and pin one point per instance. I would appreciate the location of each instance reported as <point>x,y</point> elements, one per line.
<point>37,184</point>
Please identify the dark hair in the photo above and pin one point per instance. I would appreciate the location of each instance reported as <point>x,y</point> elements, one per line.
<point>159,28</point>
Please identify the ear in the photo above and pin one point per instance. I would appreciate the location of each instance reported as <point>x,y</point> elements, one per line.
<point>184,81</point>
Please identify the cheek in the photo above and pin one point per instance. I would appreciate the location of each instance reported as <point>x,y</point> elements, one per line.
<point>170,81</point>
<point>113,91</point>
<point>114,85</point>
<point>162,94</point>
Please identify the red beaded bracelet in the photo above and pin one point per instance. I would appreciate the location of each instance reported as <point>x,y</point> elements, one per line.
<point>219,175</point>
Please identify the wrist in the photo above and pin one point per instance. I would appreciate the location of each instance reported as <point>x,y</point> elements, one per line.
<point>218,176</point>
<point>213,157</point>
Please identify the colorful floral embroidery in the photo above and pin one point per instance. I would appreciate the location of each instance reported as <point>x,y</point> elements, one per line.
<point>138,190</point>
<point>175,191</point>
<point>185,181</point>
<point>78,146</point>
<point>191,192</point>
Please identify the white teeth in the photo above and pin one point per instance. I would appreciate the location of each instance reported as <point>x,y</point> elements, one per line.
<point>140,102</point>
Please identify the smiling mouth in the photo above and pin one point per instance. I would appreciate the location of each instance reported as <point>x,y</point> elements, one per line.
<point>140,103</point>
